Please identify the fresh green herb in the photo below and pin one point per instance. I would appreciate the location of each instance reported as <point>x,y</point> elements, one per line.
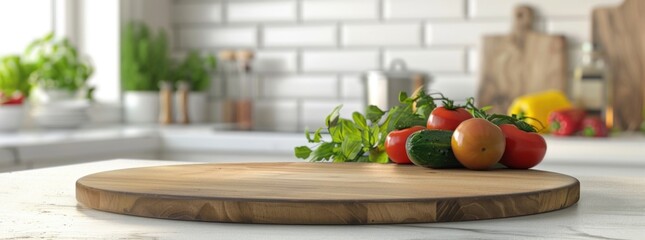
<point>498,119</point>
<point>14,75</point>
<point>57,64</point>
<point>362,139</point>
<point>144,58</point>
<point>196,70</point>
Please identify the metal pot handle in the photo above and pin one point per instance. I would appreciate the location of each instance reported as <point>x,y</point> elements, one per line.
<point>398,65</point>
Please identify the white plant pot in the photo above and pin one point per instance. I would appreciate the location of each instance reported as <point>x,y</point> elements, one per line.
<point>11,117</point>
<point>43,96</point>
<point>197,110</point>
<point>141,107</point>
<point>57,108</point>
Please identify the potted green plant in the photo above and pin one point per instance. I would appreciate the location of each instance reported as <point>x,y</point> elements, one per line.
<point>60,72</point>
<point>14,86</point>
<point>144,63</point>
<point>60,90</point>
<point>195,71</point>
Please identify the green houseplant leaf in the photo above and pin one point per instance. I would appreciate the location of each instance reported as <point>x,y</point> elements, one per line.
<point>57,64</point>
<point>14,75</point>
<point>195,69</point>
<point>144,58</point>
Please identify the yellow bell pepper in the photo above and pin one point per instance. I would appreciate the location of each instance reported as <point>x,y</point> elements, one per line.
<point>538,106</point>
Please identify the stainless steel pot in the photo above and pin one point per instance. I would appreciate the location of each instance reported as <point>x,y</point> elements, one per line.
<point>382,88</point>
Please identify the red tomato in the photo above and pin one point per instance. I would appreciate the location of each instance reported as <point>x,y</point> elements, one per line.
<point>395,144</point>
<point>442,118</point>
<point>15,99</point>
<point>524,150</point>
<point>478,144</point>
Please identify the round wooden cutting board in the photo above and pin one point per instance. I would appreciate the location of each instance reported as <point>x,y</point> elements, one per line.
<point>325,193</point>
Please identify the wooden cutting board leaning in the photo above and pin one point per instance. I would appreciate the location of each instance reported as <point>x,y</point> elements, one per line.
<point>325,193</point>
<point>526,61</point>
<point>620,34</point>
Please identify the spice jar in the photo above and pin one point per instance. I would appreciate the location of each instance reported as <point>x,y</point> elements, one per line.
<point>591,87</point>
<point>244,107</point>
<point>165,95</point>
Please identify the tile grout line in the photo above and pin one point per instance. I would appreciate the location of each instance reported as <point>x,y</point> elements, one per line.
<point>299,61</point>
<point>224,12</point>
<point>339,88</point>
<point>339,33</point>
<point>381,11</point>
<point>299,11</point>
<point>259,30</point>
<point>300,113</point>
<point>380,59</point>
<point>466,67</point>
<point>422,34</point>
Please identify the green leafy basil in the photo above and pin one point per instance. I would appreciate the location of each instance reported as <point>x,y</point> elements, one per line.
<point>374,114</point>
<point>358,140</point>
<point>303,152</point>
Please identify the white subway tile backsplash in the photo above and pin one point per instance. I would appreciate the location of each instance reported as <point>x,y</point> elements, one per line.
<point>299,86</point>
<point>197,12</point>
<point>280,115</point>
<point>456,87</point>
<point>464,32</point>
<point>548,8</point>
<point>473,60</point>
<point>338,10</point>
<point>314,111</point>
<point>436,60</point>
<point>352,87</point>
<point>299,36</point>
<point>423,9</point>
<point>261,11</point>
<point>276,61</point>
<point>339,60</point>
<point>576,31</point>
<point>310,53</point>
<point>392,34</point>
<point>202,37</point>
<point>215,113</point>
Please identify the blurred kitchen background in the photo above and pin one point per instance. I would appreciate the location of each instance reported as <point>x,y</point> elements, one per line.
<point>309,54</point>
<point>295,60</point>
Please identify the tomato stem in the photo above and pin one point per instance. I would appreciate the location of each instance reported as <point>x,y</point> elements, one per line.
<point>476,112</point>
<point>499,119</point>
<point>555,125</point>
<point>447,102</point>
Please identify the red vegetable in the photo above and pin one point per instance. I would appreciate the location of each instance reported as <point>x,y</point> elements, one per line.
<point>478,144</point>
<point>566,122</point>
<point>16,99</point>
<point>594,127</point>
<point>447,117</point>
<point>395,144</point>
<point>523,149</point>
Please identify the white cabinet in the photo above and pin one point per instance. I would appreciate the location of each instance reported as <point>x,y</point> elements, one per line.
<point>7,157</point>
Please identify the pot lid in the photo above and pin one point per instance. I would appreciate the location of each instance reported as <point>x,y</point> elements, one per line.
<point>398,69</point>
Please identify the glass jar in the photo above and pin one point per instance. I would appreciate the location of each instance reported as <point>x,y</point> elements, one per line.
<point>591,87</point>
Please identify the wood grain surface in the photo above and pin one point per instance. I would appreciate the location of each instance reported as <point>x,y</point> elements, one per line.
<point>523,62</point>
<point>620,33</point>
<point>324,193</point>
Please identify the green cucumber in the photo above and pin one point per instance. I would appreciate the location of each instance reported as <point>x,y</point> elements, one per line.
<point>431,148</point>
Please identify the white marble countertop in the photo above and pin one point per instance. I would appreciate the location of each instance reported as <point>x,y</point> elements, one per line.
<point>41,204</point>
<point>36,145</point>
